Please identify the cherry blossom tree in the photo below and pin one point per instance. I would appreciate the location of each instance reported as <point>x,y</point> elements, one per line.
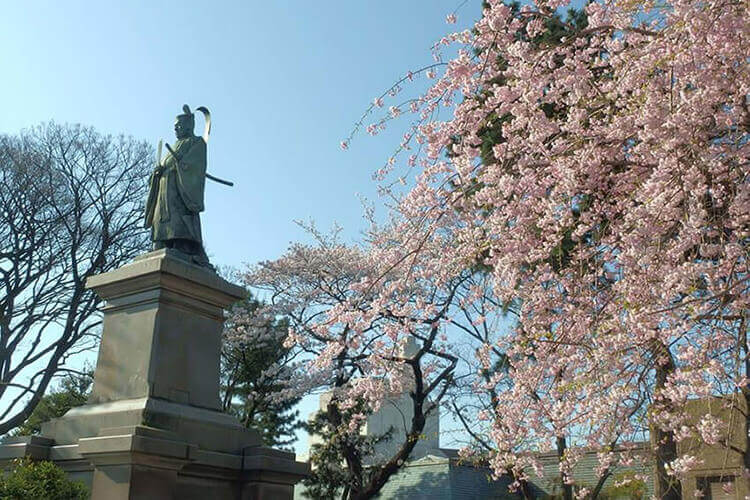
<point>356,342</point>
<point>612,205</point>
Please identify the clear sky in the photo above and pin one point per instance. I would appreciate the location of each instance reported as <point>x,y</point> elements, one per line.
<point>285,81</point>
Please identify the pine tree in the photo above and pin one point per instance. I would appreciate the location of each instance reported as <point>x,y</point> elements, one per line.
<point>256,371</point>
<point>72,391</point>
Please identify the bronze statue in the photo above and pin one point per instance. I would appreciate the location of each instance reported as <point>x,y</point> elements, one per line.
<point>177,185</point>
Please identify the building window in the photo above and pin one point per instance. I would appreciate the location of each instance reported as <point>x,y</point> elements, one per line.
<point>717,487</point>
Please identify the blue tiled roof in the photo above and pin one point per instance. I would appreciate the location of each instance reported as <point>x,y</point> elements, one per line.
<point>446,478</point>
<point>439,478</point>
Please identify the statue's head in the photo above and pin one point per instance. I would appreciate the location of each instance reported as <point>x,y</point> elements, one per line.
<point>184,124</point>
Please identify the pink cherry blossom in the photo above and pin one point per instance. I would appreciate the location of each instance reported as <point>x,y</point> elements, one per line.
<point>607,220</point>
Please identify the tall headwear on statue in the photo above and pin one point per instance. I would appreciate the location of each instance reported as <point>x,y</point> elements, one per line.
<point>176,192</point>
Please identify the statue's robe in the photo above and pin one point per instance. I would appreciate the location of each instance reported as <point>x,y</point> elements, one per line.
<point>176,196</point>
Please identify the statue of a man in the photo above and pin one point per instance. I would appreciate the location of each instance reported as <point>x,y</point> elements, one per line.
<point>175,197</point>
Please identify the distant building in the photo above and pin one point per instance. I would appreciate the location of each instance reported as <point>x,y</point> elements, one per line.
<point>584,474</point>
<point>721,475</point>
<point>437,473</point>
<point>445,478</point>
<point>395,414</point>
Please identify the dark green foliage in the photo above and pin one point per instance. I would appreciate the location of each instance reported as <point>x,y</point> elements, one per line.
<point>255,373</point>
<point>30,480</point>
<point>72,391</point>
<point>491,134</point>
<point>557,28</point>
<point>635,489</point>
<point>330,477</point>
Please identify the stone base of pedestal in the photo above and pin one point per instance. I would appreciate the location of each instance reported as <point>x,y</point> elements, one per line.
<point>207,429</point>
<point>141,462</point>
<point>152,427</point>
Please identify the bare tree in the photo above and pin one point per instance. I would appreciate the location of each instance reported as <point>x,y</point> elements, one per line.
<point>70,207</point>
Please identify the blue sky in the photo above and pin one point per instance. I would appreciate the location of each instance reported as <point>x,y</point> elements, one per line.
<point>285,81</point>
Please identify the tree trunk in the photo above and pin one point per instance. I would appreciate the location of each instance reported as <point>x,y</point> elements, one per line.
<point>567,489</point>
<point>665,446</point>
<point>745,352</point>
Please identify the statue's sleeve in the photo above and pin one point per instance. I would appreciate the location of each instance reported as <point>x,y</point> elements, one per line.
<point>191,176</point>
<point>153,192</point>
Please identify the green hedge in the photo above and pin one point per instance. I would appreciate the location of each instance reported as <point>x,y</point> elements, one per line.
<point>39,480</point>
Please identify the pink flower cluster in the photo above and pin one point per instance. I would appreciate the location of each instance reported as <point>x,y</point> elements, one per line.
<point>612,212</point>
<point>609,216</point>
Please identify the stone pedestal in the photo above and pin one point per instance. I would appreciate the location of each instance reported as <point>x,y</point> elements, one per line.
<point>152,427</point>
